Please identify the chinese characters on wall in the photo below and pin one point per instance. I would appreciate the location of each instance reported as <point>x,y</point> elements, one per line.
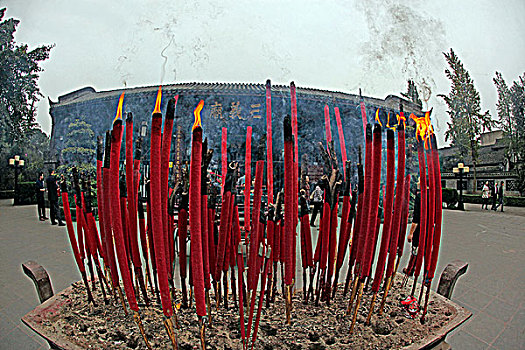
<point>235,111</point>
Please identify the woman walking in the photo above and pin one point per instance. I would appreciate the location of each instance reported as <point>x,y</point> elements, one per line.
<point>485,193</point>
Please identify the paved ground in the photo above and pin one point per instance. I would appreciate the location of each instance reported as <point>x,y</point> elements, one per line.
<point>493,289</point>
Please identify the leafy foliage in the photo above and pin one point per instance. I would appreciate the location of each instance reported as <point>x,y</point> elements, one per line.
<point>79,150</point>
<point>19,72</point>
<point>19,92</point>
<point>412,93</point>
<point>511,119</point>
<point>467,121</point>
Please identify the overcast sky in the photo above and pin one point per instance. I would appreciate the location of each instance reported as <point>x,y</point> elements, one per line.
<point>336,45</point>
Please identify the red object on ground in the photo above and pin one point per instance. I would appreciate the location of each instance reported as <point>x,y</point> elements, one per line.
<point>116,140</point>
<point>254,237</point>
<point>156,209</point>
<point>398,202</point>
<point>359,215</point>
<point>423,211</point>
<point>327,126</point>
<point>438,207</point>
<point>363,111</point>
<point>195,214</point>
<point>164,174</point>
<point>431,211</point>
<point>404,217</point>
<point>223,234</point>
<point>374,202</point>
<point>248,180</point>
<point>363,226</point>
<point>71,233</point>
<point>224,157</point>
<point>101,213</point>
<point>387,205</point>
<point>183,235</point>
<point>269,154</point>
<point>289,232</point>
<point>295,133</point>
<point>341,138</point>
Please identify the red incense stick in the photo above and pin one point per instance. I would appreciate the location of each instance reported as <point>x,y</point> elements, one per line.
<point>164,173</point>
<point>385,238</point>
<point>156,208</point>
<point>116,220</point>
<point>327,127</point>
<point>269,154</point>
<point>248,180</point>
<point>341,137</point>
<point>195,213</point>
<point>224,157</point>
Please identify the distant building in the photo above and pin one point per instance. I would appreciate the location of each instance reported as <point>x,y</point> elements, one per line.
<point>234,106</point>
<point>493,165</point>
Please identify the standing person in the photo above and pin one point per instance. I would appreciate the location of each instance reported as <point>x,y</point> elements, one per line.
<point>485,193</point>
<point>500,197</point>
<point>493,194</point>
<point>52,196</point>
<point>317,201</point>
<point>40,190</point>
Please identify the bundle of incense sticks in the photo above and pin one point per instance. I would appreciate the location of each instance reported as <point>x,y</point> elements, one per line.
<point>187,214</point>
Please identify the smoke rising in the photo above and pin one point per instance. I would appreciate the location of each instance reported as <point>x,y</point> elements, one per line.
<point>404,42</point>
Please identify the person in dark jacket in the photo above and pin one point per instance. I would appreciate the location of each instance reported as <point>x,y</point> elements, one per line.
<point>500,197</point>
<point>40,190</point>
<point>52,196</point>
<point>317,201</point>
<point>494,194</point>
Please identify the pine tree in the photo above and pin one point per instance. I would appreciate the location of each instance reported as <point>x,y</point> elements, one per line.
<point>511,108</point>
<point>80,148</point>
<point>412,93</point>
<point>467,122</point>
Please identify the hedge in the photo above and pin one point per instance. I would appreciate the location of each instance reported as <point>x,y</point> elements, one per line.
<point>26,194</point>
<point>510,201</point>
<point>6,194</point>
<point>450,197</point>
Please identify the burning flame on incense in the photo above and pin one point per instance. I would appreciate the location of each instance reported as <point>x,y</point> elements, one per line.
<point>157,102</point>
<point>197,114</point>
<point>388,123</point>
<point>401,117</point>
<point>118,116</point>
<point>377,118</point>
<point>423,127</point>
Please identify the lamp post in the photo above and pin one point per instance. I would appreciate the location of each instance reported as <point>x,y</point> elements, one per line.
<point>16,163</point>
<point>459,171</point>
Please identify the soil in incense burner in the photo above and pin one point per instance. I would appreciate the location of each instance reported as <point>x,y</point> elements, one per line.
<point>322,327</point>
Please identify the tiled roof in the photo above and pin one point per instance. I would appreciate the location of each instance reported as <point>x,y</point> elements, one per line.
<point>88,93</point>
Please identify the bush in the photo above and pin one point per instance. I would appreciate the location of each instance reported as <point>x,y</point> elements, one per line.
<point>26,194</point>
<point>450,197</point>
<point>508,201</point>
<point>6,194</point>
<point>515,201</point>
<point>473,198</point>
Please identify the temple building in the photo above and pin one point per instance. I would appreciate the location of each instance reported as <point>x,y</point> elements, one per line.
<point>493,165</point>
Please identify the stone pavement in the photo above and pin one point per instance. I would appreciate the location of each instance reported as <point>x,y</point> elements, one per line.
<point>25,238</point>
<point>493,288</point>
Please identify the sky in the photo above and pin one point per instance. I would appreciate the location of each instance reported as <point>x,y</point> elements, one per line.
<point>375,45</point>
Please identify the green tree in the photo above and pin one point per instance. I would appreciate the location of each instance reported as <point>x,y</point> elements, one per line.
<point>19,91</point>
<point>412,93</point>
<point>511,119</point>
<point>80,148</point>
<point>467,122</point>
